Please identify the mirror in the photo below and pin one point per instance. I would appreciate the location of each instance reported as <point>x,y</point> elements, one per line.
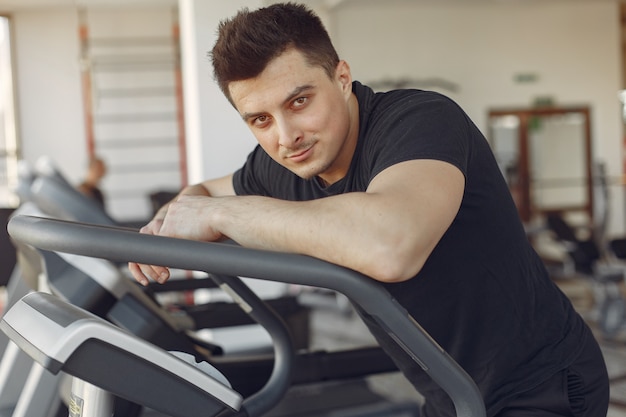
<point>545,156</point>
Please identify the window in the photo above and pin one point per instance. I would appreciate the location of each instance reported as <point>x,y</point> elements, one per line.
<point>8,136</point>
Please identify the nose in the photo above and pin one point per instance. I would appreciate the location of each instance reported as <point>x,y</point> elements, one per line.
<point>289,135</point>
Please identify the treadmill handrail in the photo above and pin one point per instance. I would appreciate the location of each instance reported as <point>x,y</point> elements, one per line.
<point>57,197</point>
<point>124,245</point>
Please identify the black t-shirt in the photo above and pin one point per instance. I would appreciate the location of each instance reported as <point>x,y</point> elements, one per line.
<point>483,294</point>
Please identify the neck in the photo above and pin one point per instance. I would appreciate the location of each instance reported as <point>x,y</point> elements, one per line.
<point>344,159</point>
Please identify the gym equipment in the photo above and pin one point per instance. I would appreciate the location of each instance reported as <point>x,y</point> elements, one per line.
<point>48,189</point>
<point>605,272</point>
<point>52,193</point>
<point>25,388</point>
<point>97,286</point>
<point>7,251</point>
<point>220,259</point>
<point>83,345</point>
<point>59,199</point>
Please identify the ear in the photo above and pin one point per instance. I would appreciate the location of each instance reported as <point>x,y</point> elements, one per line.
<point>344,77</point>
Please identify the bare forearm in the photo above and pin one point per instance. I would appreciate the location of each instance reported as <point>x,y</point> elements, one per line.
<point>352,230</point>
<point>386,233</point>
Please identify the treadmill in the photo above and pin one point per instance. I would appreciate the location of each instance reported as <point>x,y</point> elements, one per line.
<point>72,345</point>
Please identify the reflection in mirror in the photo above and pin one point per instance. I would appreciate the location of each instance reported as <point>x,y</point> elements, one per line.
<point>558,161</point>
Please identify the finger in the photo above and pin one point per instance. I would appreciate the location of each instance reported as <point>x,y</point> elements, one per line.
<point>162,274</point>
<point>136,272</point>
<point>152,228</point>
<point>142,273</point>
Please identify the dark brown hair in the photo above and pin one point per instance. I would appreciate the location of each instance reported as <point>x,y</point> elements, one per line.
<point>247,42</point>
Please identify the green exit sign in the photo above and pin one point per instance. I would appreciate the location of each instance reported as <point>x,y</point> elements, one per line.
<point>526,77</point>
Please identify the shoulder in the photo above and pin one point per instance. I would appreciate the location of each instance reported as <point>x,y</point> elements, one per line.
<point>409,124</point>
<point>398,112</point>
<point>418,104</point>
<point>369,100</point>
<point>406,108</point>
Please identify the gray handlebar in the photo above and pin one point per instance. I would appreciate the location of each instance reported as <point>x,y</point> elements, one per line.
<point>123,245</point>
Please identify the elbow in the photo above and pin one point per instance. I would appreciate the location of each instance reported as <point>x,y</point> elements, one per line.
<point>391,265</point>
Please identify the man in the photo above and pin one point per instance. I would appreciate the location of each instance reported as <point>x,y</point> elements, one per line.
<point>91,184</point>
<point>402,187</point>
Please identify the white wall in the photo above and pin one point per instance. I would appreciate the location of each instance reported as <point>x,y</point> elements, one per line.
<point>217,139</point>
<point>49,97</point>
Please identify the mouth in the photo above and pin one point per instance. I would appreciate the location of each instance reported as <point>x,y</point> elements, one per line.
<point>301,155</point>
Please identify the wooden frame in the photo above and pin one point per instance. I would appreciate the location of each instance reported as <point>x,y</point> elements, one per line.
<point>522,189</point>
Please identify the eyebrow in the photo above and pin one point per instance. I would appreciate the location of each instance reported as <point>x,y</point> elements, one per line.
<point>295,93</point>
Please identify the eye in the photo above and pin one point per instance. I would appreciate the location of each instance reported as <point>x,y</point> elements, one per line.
<point>260,121</point>
<point>300,102</point>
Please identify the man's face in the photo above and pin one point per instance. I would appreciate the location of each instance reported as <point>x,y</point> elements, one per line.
<point>303,119</point>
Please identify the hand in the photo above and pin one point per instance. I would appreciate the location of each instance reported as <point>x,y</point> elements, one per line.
<point>189,217</point>
<point>143,273</point>
<point>186,218</point>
